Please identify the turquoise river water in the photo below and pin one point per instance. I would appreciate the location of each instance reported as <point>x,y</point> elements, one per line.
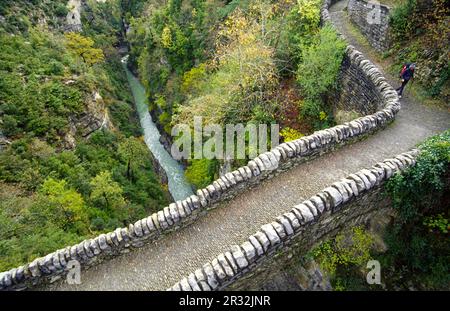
<point>179,188</point>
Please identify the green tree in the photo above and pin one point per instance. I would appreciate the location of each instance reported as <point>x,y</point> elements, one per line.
<point>133,152</point>
<point>321,63</point>
<point>107,191</point>
<point>201,172</point>
<point>66,206</point>
<point>420,196</point>
<point>84,48</point>
<point>317,74</point>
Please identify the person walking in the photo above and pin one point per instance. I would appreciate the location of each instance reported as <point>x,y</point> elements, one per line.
<point>406,74</point>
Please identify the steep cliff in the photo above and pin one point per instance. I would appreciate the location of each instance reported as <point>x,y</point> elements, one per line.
<point>72,160</point>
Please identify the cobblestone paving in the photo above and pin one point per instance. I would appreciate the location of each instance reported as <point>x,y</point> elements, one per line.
<point>159,265</point>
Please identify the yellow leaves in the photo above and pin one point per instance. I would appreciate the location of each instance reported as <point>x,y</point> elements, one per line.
<point>309,11</point>
<point>193,77</point>
<point>84,48</point>
<point>348,248</point>
<point>323,116</point>
<point>235,28</point>
<point>166,37</point>
<point>243,72</point>
<point>290,134</point>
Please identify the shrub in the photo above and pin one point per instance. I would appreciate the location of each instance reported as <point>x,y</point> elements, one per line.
<point>400,19</point>
<point>317,74</point>
<point>200,173</point>
<point>346,249</point>
<point>419,196</point>
<point>61,10</point>
<point>290,134</point>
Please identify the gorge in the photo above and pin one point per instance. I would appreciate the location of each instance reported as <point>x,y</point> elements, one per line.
<point>347,140</point>
<point>179,188</point>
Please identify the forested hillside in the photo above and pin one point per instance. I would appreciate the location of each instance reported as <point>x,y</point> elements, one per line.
<point>234,62</point>
<point>72,163</point>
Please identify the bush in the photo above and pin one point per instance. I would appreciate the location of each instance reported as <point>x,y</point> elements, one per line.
<point>400,19</point>
<point>318,72</point>
<point>317,75</point>
<point>200,173</point>
<point>420,196</point>
<point>61,10</point>
<point>290,134</point>
<point>352,248</point>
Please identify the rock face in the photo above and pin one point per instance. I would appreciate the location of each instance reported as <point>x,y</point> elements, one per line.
<point>373,20</point>
<point>3,141</point>
<point>94,117</point>
<point>305,275</point>
<point>73,18</point>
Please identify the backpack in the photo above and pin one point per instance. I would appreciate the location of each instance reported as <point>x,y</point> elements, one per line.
<point>404,68</point>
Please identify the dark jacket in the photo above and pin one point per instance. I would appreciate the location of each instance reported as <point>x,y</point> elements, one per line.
<point>408,73</point>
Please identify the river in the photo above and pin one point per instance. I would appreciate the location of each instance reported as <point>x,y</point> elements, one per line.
<point>179,188</point>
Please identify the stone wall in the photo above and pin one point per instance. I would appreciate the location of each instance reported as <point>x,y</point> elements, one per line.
<point>372,19</point>
<point>357,91</point>
<point>352,201</point>
<point>267,165</point>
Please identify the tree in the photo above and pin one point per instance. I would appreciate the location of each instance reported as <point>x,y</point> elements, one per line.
<point>201,172</point>
<point>107,191</point>
<point>84,48</point>
<point>317,74</point>
<point>242,75</point>
<point>319,69</point>
<point>65,206</point>
<point>133,152</point>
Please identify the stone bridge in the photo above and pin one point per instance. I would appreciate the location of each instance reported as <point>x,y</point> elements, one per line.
<point>157,252</point>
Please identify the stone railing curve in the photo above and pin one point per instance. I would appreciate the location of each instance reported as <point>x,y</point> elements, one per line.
<point>305,224</point>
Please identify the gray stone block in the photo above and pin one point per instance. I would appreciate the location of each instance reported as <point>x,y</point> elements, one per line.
<point>201,198</point>
<point>319,203</point>
<point>286,225</point>
<point>293,220</point>
<point>249,251</point>
<point>312,208</point>
<point>239,256</point>
<point>257,245</point>
<point>336,196</point>
<point>167,215</point>
<point>193,282</point>
<point>262,239</point>
<point>271,234</point>
<point>305,212</point>
<point>184,284</point>
<point>225,265</point>
<point>162,220</point>
<point>211,277</point>
<point>230,259</point>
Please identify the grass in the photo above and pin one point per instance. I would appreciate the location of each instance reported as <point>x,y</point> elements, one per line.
<point>391,3</point>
